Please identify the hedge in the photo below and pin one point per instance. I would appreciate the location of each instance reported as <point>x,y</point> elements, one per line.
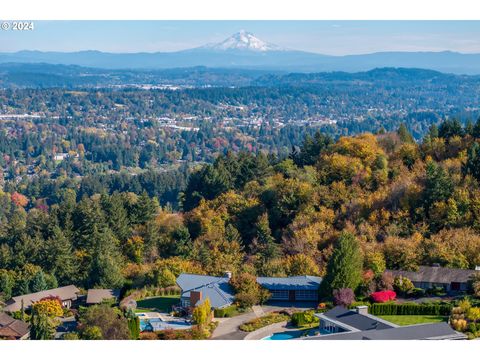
<point>410,309</point>
<point>225,312</point>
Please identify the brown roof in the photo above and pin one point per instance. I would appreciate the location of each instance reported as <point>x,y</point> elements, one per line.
<point>96,296</point>
<point>436,274</point>
<point>12,328</point>
<point>64,293</point>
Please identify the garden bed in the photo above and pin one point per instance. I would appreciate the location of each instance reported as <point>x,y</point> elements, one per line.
<point>263,321</point>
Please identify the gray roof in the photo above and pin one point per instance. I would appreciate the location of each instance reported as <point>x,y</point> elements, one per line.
<point>436,274</point>
<point>96,296</point>
<point>64,293</point>
<point>217,289</point>
<point>436,331</point>
<point>304,282</point>
<point>355,320</point>
<point>10,327</point>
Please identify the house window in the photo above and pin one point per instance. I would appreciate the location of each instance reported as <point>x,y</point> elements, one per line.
<point>306,295</point>
<point>279,294</point>
<point>185,302</point>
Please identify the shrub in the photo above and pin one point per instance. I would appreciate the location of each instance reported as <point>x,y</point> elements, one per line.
<point>148,336</point>
<point>437,291</point>
<point>304,318</point>
<point>343,297</point>
<point>459,324</point>
<point>403,285</point>
<point>202,314</point>
<point>70,336</point>
<point>417,292</point>
<point>383,296</point>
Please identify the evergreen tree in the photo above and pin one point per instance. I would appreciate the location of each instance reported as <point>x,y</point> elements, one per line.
<point>345,267</point>
<point>41,327</point>
<point>117,216</point>
<point>404,134</point>
<point>469,127</point>
<point>38,282</point>
<point>101,266</point>
<point>145,209</point>
<point>433,131</point>
<point>6,285</point>
<point>264,245</point>
<point>476,129</point>
<point>438,186</point>
<point>450,128</point>
<point>311,149</point>
<point>472,165</point>
<point>59,258</point>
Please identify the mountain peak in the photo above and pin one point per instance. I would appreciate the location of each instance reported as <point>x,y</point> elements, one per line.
<point>243,40</point>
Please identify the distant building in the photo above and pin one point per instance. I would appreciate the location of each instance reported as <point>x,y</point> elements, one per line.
<point>340,323</point>
<point>60,156</point>
<point>292,288</point>
<point>67,294</point>
<point>97,296</point>
<point>428,277</point>
<point>13,329</point>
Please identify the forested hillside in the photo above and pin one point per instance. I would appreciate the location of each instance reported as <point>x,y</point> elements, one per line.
<point>406,203</point>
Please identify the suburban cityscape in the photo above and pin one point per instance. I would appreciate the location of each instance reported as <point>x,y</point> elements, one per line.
<point>239,190</point>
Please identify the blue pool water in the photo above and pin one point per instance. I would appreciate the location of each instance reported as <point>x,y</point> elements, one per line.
<point>288,335</point>
<point>280,336</point>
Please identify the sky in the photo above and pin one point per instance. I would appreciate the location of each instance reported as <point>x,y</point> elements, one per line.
<point>324,37</point>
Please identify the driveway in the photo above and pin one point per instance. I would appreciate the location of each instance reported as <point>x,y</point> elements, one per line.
<point>227,328</point>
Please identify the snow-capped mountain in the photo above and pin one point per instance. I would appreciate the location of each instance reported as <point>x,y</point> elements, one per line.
<point>243,40</point>
<point>244,50</point>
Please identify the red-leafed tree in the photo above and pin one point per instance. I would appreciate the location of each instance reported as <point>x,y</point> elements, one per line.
<point>19,199</point>
<point>383,296</point>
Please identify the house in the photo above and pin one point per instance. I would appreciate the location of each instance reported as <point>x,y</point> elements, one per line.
<point>428,277</point>
<point>67,294</point>
<point>292,288</point>
<point>13,329</point>
<point>340,323</point>
<point>97,296</point>
<point>196,288</point>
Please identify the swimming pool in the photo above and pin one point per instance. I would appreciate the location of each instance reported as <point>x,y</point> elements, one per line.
<point>279,336</point>
<point>289,335</point>
<point>157,322</point>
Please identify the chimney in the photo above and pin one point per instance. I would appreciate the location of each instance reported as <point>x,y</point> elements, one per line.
<point>362,310</point>
<point>228,274</point>
<point>195,297</point>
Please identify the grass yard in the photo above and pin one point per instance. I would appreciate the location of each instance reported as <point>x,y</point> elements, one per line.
<point>159,303</point>
<point>413,319</point>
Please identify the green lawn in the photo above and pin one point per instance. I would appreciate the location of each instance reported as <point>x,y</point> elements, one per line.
<point>159,303</point>
<point>413,319</point>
